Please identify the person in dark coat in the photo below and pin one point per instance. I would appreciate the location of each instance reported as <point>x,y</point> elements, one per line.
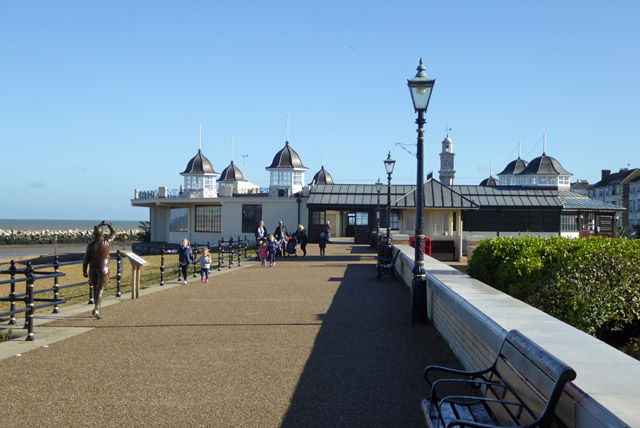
<point>302,238</point>
<point>185,256</point>
<point>322,242</point>
<point>281,235</point>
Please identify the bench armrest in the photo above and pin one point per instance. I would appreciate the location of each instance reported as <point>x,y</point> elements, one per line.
<point>440,369</point>
<point>475,383</point>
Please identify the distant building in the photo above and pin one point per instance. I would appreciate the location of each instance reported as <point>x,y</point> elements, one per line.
<point>543,171</point>
<point>447,171</point>
<point>621,189</point>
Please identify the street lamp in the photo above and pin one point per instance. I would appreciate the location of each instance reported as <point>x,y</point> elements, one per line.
<point>388,165</point>
<point>378,189</point>
<point>421,87</point>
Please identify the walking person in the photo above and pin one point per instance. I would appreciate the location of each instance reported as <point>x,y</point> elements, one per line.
<point>302,237</point>
<point>185,256</point>
<point>273,247</point>
<point>205,265</point>
<point>328,230</point>
<point>263,253</point>
<point>281,235</point>
<point>261,233</point>
<point>322,243</point>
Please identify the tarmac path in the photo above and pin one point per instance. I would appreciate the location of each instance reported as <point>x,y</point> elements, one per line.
<point>312,342</point>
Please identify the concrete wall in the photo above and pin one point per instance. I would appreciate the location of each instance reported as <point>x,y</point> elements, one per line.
<point>474,319</point>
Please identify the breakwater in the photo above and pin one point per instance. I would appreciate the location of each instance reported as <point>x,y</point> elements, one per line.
<point>71,236</point>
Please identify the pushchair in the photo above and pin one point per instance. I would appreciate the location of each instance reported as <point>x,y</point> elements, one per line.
<point>290,248</point>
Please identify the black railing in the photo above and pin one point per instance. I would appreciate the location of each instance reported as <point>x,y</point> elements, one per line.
<point>34,273</point>
<point>224,253</point>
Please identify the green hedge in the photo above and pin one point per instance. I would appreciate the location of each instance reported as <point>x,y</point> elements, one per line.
<point>590,283</point>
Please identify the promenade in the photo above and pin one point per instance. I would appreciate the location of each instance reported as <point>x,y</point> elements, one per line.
<point>312,342</point>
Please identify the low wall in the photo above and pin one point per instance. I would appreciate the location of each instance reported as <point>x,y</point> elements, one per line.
<point>474,319</point>
<point>72,236</point>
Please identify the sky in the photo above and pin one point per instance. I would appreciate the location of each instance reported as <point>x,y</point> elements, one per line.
<point>100,98</point>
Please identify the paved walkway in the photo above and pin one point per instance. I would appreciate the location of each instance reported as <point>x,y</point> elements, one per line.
<point>313,342</point>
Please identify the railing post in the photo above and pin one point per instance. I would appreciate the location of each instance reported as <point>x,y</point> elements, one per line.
<point>230,251</point>
<point>179,271</point>
<point>119,273</point>
<point>195,257</point>
<point>246,246</point>
<point>29,314</point>
<point>162,266</point>
<point>12,294</point>
<point>220,250</point>
<point>56,294</point>
<point>91,301</point>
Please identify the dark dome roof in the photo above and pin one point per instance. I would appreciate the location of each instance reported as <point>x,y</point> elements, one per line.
<point>489,182</point>
<point>287,158</point>
<point>199,164</point>
<point>231,173</point>
<point>322,177</point>
<point>545,165</point>
<point>515,167</point>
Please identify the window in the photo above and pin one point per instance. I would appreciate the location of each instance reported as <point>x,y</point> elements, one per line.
<point>208,182</point>
<point>281,178</point>
<point>395,221</point>
<point>563,180</point>
<point>209,218</point>
<point>297,178</point>
<point>318,217</point>
<point>543,180</point>
<point>179,220</point>
<point>362,219</point>
<point>251,216</point>
<point>569,222</point>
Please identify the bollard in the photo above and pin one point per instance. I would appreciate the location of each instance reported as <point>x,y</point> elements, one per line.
<point>118,273</point>
<point>162,267</point>
<point>12,294</point>
<point>29,314</point>
<point>56,295</point>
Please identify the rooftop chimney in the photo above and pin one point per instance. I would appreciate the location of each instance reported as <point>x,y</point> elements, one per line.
<point>605,174</point>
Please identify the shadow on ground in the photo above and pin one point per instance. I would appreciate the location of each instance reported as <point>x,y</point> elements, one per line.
<point>367,361</point>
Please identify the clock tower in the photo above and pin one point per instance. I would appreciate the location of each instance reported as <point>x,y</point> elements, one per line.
<point>447,172</point>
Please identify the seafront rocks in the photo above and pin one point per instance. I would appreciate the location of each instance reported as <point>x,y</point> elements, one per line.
<point>71,236</point>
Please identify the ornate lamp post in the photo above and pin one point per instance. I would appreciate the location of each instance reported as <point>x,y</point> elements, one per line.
<point>421,87</point>
<point>378,189</point>
<point>388,165</point>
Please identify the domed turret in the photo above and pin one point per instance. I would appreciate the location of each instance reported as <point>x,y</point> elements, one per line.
<point>321,177</point>
<point>231,174</point>
<point>199,178</point>
<point>508,175</point>
<point>545,171</point>
<point>489,182</point>
<point>287,173</point>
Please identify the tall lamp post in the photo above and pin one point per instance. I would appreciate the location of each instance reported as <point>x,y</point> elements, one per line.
<point>421,87</point>
<point>378,189</point>
<point>388,165</point>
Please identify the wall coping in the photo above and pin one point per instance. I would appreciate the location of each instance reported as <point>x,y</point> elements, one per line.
<point>605,392</point>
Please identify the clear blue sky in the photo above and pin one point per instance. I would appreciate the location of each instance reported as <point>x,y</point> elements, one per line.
<point>100,98</point>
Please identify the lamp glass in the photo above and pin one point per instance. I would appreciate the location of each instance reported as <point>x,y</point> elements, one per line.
<point>420,94</point>
<point>389,164</point>
<point>378,185</point>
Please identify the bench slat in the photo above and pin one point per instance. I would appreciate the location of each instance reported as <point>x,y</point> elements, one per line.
<point>480,414</point>
<point>529,369</point>
<point>522,388</point>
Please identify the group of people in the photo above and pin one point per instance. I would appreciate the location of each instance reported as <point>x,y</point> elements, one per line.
<point>185,258</point>
<point>272,245</point>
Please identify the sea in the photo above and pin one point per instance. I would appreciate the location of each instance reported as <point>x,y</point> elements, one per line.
<point>22,224</point>
<point>14,251</point>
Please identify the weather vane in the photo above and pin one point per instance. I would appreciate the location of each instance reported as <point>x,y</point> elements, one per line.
<point>448,129</point>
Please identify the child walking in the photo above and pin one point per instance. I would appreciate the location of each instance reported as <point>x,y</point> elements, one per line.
<point>205,265</point>
<point>263,253</point>
<point>273,249</point>
<point>322,243</point>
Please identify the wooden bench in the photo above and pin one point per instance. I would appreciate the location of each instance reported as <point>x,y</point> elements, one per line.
<point>386,262</point>
<point>444,247</point>
<point>520,389</point>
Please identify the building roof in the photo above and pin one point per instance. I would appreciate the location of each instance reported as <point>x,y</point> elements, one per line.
<point>510,196</point>
<point>489,182</point>
<point>437,195</point>
<point>544,165</point>
<point>572,200</point>
<point>287,158</point>
<point>231,173</point>
<point>515,167</point>
<point>199,164</point>
<point>624,176</point>
<point>322,177</point>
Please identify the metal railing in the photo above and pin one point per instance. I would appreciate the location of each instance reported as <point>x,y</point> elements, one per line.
<point>40,272</point>
<point>226,252</point>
